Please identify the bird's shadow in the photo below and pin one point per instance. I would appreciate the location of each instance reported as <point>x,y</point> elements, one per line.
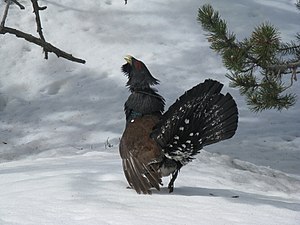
<point>234,196</point>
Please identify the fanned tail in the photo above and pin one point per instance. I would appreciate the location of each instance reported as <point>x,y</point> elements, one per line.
<point>201,116</point>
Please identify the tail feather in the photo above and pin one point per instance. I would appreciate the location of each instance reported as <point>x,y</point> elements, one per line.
<point>140,177</point>
<point>221,122</point>
<point>201,116</point>
<point>135,179</point>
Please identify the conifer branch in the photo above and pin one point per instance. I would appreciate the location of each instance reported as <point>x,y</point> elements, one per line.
<point>255,64</point>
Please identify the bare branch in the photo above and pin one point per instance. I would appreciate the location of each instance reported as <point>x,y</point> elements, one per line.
<point>293,78</point>
<point>285,66</point>
<point>28,37</point>
<point>47,46</point>
<point>36,9</point>
<point>5,14</point>
<point>17,3</point>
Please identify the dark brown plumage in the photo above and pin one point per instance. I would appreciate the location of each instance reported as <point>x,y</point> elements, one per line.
<point>155,144</point>
<point>139,152</point>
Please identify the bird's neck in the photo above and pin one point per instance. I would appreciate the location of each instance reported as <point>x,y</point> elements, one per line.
<point>143,102</point>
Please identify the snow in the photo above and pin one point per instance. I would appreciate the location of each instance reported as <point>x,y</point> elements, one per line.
<point>60,122</point>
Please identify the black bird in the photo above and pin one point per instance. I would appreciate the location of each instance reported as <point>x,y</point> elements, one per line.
<point>156,144</point>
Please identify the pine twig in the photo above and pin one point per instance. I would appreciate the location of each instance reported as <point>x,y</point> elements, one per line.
<point>259,52</point>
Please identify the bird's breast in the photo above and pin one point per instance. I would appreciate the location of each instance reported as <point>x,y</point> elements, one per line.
<point>136,140</point>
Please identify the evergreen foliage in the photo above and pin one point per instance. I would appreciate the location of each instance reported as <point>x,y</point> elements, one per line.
<point>262,66</point>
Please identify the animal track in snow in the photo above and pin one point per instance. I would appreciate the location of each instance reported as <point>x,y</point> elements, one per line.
<point>54,88</point>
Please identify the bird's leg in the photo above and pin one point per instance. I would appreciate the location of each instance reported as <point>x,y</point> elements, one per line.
<point>171,184</point>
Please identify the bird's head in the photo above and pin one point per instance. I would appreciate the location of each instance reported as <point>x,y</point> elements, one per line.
<point>139,77</point>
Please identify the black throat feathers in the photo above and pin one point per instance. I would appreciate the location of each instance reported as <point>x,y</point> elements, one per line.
<point>143,102</point>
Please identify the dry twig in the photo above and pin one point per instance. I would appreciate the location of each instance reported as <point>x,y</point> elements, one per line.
<point>36,9</point>
<point>47,47</point>
<point>17,3</point>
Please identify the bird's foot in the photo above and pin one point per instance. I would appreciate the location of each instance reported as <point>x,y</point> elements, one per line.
<point>171,188</point>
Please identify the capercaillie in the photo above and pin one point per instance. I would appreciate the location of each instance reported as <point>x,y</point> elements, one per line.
<point>157,143</point>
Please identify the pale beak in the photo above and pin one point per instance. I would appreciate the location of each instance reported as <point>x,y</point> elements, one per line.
<point>128,59</point>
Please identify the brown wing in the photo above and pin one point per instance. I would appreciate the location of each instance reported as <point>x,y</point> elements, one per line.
<point>140,155</point>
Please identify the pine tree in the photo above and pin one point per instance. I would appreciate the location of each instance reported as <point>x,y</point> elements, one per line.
<point>261,66</point>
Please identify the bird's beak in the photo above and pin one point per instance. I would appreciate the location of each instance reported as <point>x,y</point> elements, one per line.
<point>128,59</point>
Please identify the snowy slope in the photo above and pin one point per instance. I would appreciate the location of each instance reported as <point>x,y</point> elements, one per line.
<point>56,118</point>
<point>90,189</point>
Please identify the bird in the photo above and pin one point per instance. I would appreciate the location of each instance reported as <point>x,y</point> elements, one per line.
<point>157,143</point>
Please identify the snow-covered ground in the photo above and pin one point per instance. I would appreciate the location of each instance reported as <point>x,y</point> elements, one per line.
<point>60,122</point>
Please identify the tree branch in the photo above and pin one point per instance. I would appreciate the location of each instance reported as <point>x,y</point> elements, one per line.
<point>5,14</point>
<point>285,66</point>
<point>17,3</point>
<point>256,64</point>
<point>36,9</point>
<point>47,46</point>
